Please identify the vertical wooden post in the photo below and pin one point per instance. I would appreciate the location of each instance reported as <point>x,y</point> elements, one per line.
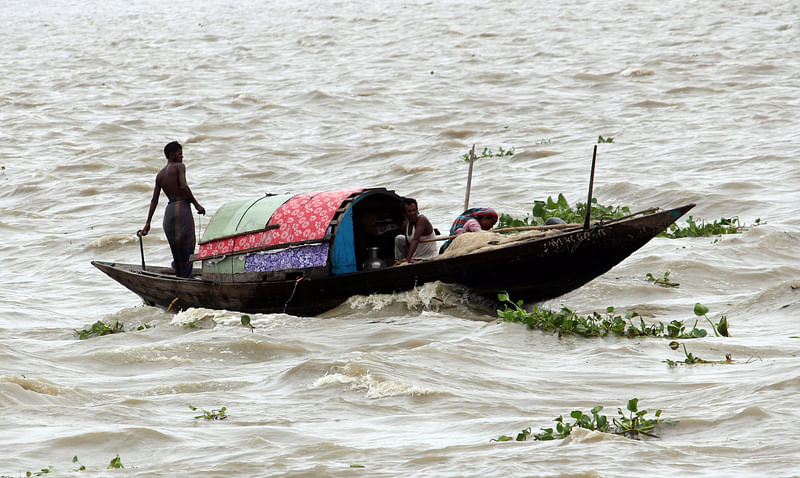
<point>591,185</point>
<point>469,176</point>
<point>141,248</point>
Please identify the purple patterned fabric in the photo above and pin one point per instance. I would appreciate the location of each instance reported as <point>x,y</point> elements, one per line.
<point>300,257</point>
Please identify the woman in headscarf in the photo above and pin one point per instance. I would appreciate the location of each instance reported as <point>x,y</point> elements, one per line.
<point>481,219</point>
<point>472,220</point>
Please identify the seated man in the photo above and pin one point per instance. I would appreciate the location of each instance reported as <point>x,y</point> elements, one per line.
<point>408,246</point>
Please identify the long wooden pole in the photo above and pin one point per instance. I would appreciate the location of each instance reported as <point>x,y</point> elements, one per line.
<point>469,176</point>
<point>511,229</point>
<point>591,185</point>
<point>141,248</point>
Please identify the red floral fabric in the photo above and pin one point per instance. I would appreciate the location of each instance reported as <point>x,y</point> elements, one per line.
<point>304,217</point>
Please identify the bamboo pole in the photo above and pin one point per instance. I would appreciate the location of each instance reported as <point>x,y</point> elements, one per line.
<point>591,185</point>
<point>469,176</point>
<point>268,227</point>
<point>512,229</point>
<point>141,248</point>
<point>535,228</point>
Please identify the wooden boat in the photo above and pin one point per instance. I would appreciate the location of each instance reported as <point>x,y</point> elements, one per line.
<point>307,253</point>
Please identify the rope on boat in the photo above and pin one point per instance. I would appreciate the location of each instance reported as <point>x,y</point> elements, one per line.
<point>176,299</point>
<point>291,296</point>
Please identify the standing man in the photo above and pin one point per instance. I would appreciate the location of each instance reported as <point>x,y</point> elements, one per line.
<point>408,246</point>
<point>178,221</point>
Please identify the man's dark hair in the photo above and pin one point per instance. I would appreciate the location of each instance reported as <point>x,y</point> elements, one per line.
<point>171,148</point>
<point>409,201</point>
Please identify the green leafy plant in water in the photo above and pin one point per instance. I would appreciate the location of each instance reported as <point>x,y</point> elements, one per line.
<point>635,423</point>
<point>601,139</point>
<point>662,281</point>
<point>562,430</point>
<point>42,472</point>
<point>211,415</point>
<point>560,208</point>
<point>702,229</point>
<point>568,322</point>
<point>521,436</point>
<point>676,330</point>
<point>631,425</point>
<point>720,328</point>
<point>488,153</point>
<point>246,322</point>
<point>691,359</point>
<point>100,328</point>
<point>593,421</point>
<point>115,463</point>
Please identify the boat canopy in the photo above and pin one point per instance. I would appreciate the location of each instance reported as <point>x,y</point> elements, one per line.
<point>241,217</point>
<point>328,232</point>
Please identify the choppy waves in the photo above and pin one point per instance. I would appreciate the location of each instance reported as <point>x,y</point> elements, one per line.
<point>699,99</point>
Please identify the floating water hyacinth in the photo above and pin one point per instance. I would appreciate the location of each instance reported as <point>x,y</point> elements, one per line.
<point>662,281</point>
<point>488,153</point>
<point>560,208</point>
<point>631,425</point>
<point>211,415</point>
<point>568,322</point>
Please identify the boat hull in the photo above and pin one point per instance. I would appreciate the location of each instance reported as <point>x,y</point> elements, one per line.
<point>535,270</point>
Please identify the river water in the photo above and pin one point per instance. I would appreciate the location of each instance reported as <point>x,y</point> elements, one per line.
<point>700,98</point>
